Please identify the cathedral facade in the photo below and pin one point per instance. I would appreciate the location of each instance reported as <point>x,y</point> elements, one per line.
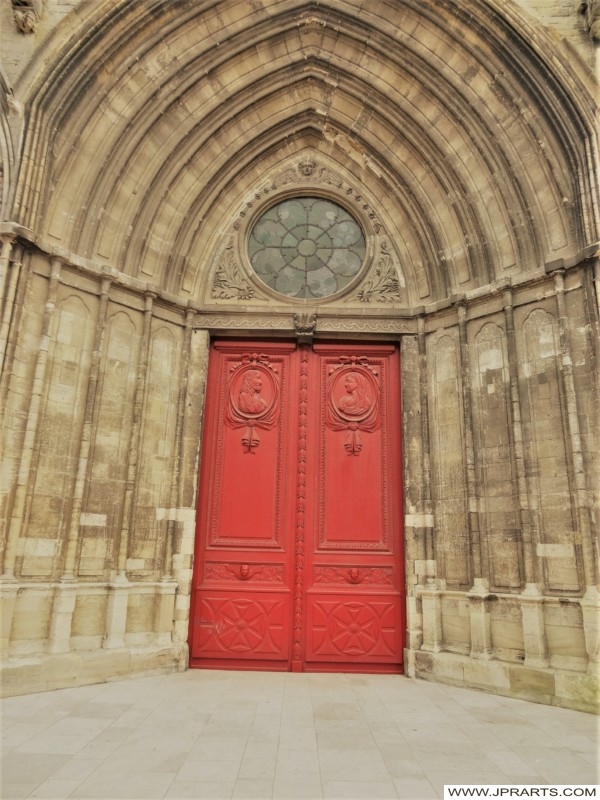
<point>299,340</point>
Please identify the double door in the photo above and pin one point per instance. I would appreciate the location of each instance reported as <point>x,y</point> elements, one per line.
<point>298,557</point>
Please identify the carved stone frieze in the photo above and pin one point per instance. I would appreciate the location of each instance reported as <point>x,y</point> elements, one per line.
<point>362,325</point>
<point>243,321</point>
<point>228,281</point>
<point>310,172</point>
<point>285,324</point>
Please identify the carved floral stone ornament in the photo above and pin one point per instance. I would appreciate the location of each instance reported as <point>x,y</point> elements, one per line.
<point>27,14</point>
<point>253,398</point>
<point>353,401</point>
<point>229,283</point>
<point>383,285</point>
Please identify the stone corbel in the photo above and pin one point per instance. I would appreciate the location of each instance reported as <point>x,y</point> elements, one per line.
<point>27,14</point>
<point>304,326</point>
<point>591,12</point>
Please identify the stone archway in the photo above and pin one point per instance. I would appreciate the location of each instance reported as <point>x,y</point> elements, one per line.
<point>462,139</point>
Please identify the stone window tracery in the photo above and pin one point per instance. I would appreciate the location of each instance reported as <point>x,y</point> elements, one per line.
<point>306,247</point>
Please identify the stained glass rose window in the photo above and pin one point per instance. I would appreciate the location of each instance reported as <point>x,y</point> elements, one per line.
<point>306,247</point>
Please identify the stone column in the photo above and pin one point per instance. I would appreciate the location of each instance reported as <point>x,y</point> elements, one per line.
<point>165,598</point>
<point>63,607</point>
<point>415,530</point>
<point>20,263</point>
<point>534,629</point>
<point>532,601</point>
<point>185,514</point>
<point>481,582</point>
<point>164,611</point>
<point>479,597</point>
<point>590,603</point>
<point>17,511</point>
<point>118,597</point>
<point>597,273</point>
<point>426,498</point>
<point>431,602</point>
<point>8,598</point>
<point>9,275</point>
<point>481,624</point>
<point>116,613</point>
<point>65,594</point>
<point>6,243</point>
<point>176,485</point>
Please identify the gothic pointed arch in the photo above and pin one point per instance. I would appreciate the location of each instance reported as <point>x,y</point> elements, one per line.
<point>476,141</point>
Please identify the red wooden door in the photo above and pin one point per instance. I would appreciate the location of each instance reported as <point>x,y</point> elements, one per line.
<point>299,560</point>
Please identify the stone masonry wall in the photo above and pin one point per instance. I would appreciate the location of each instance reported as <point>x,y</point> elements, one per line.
<point>101,438</point>
<point>102,424</point>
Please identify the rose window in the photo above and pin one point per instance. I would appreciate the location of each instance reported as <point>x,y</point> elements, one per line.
<point>306,247</point>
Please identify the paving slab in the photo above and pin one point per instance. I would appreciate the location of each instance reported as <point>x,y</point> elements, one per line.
<point>221,734</point>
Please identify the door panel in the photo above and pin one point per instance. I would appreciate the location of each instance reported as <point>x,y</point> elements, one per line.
<point>354,577</point>
<point>242,595</point>
<point>299,543</point>
<point>249,625</point>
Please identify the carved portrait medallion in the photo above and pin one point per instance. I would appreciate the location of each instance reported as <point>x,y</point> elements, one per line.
<point>253,399</point>
<point>353,401</point>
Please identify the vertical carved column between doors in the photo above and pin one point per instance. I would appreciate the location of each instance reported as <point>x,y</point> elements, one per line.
<point>300,512</point>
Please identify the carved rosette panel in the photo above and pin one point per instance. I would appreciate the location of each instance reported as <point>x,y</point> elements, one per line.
<point>354,629</point>
<point>242,626</point>
<point>253,398</point>
<point>352,401</point>
<point>261,573</point>
<point>380,576</point>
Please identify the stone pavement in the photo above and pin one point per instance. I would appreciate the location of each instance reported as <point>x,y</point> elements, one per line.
<point>217,734</point>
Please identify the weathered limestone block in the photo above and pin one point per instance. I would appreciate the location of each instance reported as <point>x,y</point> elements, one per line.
<point>456,623</point>
<point>116,614</point>
<point>8,598</point>
<point>431,603</point>
<point>590,606</point>
<point>507,628</point>
<point>65,597</point>
<point>534,633</point>
<point>481,622</point>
